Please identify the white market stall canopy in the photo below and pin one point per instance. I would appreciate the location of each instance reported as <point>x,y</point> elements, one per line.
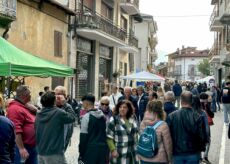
<point>143,76</point>
<point>208,80</point>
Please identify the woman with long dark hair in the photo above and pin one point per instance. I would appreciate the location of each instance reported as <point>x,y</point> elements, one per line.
<point>122,134</point>
<point>206,107</point>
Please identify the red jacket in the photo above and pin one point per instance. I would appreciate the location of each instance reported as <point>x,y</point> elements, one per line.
<point>23,121</point>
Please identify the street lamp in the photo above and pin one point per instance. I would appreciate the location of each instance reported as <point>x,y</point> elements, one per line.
<point>88,19</point>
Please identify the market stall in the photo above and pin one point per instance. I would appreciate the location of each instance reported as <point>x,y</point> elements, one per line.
<point>16,63</point>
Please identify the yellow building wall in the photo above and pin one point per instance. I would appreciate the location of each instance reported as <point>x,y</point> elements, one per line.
<point>33,32</point>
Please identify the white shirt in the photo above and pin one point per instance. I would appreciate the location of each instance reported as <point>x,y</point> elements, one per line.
<point>139,99</point>
<point>113,99</point>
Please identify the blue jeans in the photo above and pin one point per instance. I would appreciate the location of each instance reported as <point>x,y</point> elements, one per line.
<point>187,159</point>
<point>33,159</point>
<point>226,108</point>
<point>213,105</point>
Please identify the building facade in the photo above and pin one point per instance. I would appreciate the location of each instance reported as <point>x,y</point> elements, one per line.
<point>183,64</point>
<point>105,43</point>
<point>219,55</point>
<point>95,37</point>
<point>162,69</point>
<point>40,28</point>
<point>146,34</point>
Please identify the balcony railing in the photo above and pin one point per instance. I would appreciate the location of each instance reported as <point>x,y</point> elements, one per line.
<point>94,20</point>
<point>7,11</point>
<point>133,41</point>
<point>134,2</point>
<point>214,14</point>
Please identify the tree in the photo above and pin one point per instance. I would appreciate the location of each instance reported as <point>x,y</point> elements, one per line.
<point>204,67</point>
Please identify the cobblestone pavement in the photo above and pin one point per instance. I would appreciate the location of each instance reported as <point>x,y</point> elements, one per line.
<point>72,151</point>
<point>216,148</point>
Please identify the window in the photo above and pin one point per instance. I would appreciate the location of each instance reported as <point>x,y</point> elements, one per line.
<point>57,44</point>
<point>121,66</point>
<point>87,4</point>
<point>125,69</point>
<point>106,11</point>
<point>123,23</point>
<point>191,70</point>
<point>177,70</point>
<point>131,62</point>
<point>56,81</point>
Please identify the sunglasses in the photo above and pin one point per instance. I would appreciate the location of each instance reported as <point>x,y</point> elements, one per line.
<point>104,104</point>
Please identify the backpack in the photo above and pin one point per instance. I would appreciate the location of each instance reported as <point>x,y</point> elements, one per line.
<point>147,144</point>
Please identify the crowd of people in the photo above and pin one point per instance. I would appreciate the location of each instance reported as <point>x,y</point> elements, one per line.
<point>110,131</point>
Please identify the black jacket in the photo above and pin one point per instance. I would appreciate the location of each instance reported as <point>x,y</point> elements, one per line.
<point>7,141</point>
<point>169,107</point>
<point>93,133</point>
<point>49,128</point>
<point>225,94</point>
<point>187,131</point>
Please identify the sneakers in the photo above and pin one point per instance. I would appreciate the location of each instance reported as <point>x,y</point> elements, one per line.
<point>205,160</point>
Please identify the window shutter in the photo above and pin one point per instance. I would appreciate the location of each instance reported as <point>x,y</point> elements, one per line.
<point>57,43</point>
<point>60,44</point>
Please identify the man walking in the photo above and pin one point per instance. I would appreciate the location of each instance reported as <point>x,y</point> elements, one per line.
<point>60,91</point>
<point>128,96</point>
<point>225,94</point>
<point>92,147</point>
<point>177,90</point>
<point>23,121</point>
<point>113,98</point>
<point>187,132</point>
<point>49,127</point>
<point>141,102</point>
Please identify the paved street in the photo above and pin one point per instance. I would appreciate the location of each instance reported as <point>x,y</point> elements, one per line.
<point>72,151</point>
<point>219,150</point>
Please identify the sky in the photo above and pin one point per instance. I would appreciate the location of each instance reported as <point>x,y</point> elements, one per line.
<point>180,22</point>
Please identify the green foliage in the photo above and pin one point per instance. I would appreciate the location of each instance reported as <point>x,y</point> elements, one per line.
<point>204,67</point>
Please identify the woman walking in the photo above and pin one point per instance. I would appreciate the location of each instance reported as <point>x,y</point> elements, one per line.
<point>206,107</point>
<point>153,115</point>
<point>122,134</point>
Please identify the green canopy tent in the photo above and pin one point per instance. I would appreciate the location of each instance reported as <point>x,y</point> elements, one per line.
<point>15,62</point>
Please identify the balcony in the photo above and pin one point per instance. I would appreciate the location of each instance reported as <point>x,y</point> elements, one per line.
<point>214,53</point>
<point>152,41</point>
<point>153,55</point>
<point>224,13</point>
<point>213,2</point>
<point>97,27</point>
<point>226,61</point>
<point>133,41</point>
<point>131,7</point>
<point>7,12</point>
<point>215,24</point>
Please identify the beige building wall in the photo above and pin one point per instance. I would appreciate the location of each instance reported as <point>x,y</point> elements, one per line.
<point>33,32</point>
<point>124,58</point>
